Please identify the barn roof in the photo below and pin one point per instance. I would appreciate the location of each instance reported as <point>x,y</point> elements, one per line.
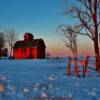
<point>33,43</point>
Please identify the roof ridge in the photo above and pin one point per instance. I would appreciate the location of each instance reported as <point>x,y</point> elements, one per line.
<point>33,43</point>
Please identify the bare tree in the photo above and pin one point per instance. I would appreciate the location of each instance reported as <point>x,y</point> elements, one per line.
<point>11,38</point>
<point>87,12</point>
<point>70,40</point>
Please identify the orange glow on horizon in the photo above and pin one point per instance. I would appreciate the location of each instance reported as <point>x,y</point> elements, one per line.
<point>63,51</point>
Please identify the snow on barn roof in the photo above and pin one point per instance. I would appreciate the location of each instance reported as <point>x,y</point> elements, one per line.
<point>33,43</point>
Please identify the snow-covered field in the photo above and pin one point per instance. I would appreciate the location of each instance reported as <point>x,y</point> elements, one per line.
<point>45,80</point>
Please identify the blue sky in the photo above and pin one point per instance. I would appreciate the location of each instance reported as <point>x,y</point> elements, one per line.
<point>30,14</point>
<point>40,17</point>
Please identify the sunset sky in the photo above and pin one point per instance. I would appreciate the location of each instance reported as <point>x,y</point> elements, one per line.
<point>41,17</point>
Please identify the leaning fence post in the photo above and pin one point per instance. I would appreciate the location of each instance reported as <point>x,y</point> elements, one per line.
<point>69,66</point>
<point>86,63</point>
<point>85,66</point>
<point>76,69</point>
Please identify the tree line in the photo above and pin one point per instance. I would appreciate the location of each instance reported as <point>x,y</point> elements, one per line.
<point>7,39</point>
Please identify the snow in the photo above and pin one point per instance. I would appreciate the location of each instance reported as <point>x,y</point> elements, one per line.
<point>46,79</point>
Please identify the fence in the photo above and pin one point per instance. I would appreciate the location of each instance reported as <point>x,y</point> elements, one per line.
<point>83,63</point>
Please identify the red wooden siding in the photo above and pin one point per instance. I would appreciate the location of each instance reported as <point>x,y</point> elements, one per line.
<point>25,53</point>
<point>17,53</point>
<point>33,53</point>
<point>41,52</point>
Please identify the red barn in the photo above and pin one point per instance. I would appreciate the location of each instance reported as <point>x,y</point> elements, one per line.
<point>29,48</point>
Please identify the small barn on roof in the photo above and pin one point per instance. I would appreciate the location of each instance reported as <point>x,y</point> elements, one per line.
<point>29,48</point>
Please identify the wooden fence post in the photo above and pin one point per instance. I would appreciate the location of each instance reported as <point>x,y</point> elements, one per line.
<point>85,66</point>
<point>76,69</point>
<point>69,67</point>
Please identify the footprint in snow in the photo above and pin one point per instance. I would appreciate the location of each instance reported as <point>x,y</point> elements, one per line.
<point>69,97</point>
<point>92,93</point>
<point>52,78</point>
